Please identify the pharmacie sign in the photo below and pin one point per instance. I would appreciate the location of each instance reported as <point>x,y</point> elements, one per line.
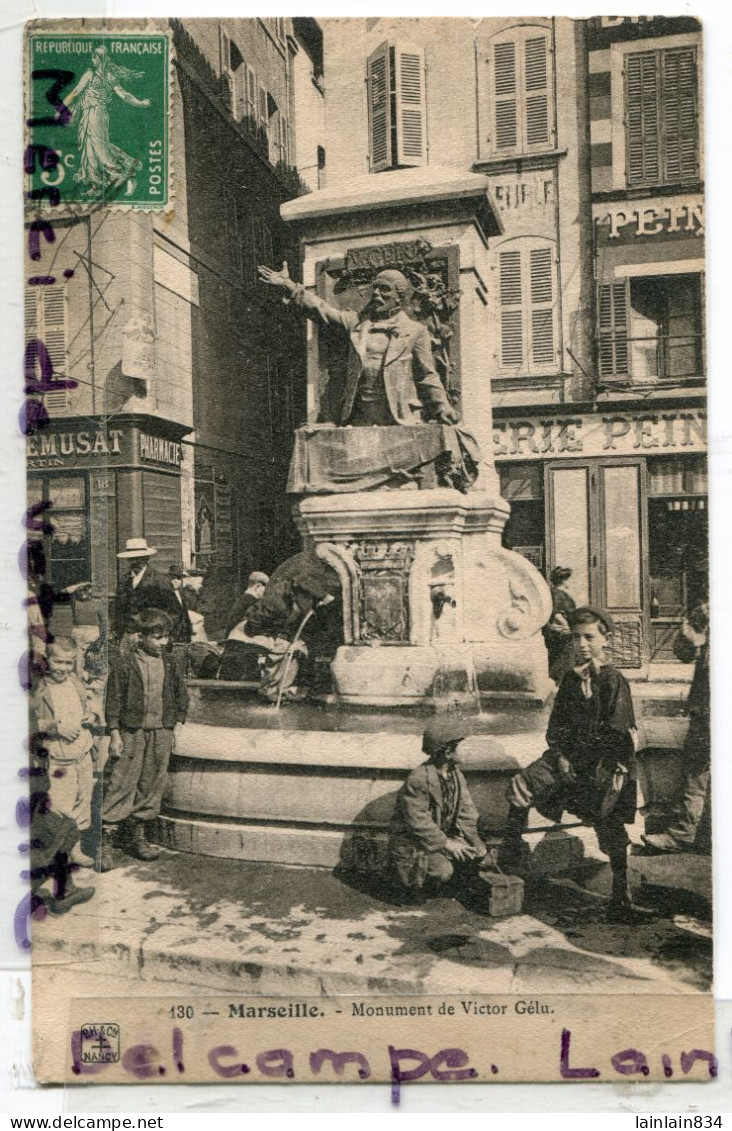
<point>606,434</point>
<point>81,444</point>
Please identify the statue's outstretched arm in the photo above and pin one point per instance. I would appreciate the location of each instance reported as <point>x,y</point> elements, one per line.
<point>311,306</point>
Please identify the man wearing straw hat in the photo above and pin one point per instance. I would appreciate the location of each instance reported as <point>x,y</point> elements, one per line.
<point>142,588</point>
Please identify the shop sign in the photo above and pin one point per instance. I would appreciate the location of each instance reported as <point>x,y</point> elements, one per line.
<point>610,434</point>
<point>158,450</point>
<point>52,449</point>
<point>627,222</point>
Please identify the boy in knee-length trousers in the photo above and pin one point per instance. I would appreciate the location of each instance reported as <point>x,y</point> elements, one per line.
<point>590,767</point>
<point>60,721</point>
<point>146,704</point>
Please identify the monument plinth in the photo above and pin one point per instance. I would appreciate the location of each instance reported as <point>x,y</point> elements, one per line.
<point>435,610</point>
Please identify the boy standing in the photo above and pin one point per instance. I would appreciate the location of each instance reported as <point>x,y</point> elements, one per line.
<point>146,705</point>
<point>61,719</point>
<point>589,768</point>
<point>435,823</point>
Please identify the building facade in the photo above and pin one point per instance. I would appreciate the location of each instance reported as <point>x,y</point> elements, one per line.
<point>188,377</point>
<point>588,133</point>
<point>614,483</point>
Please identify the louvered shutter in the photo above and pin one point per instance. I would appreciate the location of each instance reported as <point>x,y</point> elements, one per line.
<point>262,108</point>
<point>641,118</point>
<point>680,131</point>
<point>410,111</point>
<point>541,282</point>
<point>613,329</point>
<point>504,96</point>
<point>251,98</point>
<point>379,109</point>
<point>31,313</point>
<point>54,326</point>
<point>537,93</point>
<point>512,314</point>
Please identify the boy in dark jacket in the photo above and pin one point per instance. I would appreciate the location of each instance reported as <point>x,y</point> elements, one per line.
<point>435,823</point>
<point>146,705</point>
<point>589,768</point>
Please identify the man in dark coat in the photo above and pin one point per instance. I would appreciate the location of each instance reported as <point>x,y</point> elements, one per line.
<point>180,630</point>
<point>142,588</point>
<point>435,823</point>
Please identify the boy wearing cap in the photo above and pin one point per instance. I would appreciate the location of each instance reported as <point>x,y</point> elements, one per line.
<point>146,705</point>
<point>589,768</point>
<point>253,593</point>
<point>435,823</point>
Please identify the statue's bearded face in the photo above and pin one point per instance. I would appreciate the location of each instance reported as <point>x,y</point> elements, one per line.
<point>386,297</point>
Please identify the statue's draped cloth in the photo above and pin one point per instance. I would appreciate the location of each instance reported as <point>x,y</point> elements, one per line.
<point>330,460</point>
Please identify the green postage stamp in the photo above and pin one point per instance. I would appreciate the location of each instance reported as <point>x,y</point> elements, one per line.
<point>98,119</point>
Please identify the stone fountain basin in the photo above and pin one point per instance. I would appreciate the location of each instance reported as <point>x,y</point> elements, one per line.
<point>315,784</point>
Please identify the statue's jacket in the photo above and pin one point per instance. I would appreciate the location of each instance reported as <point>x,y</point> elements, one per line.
<point>411,381</point>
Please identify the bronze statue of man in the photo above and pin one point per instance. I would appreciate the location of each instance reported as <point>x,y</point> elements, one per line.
<point>391,376</point>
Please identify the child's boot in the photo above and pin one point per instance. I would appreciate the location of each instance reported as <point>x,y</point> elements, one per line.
<point>78,856</point>
<point>139,845</point>
<point>620,907</point>
<point>107,859</point>
<point>71,896</point>
<point>512,850</point>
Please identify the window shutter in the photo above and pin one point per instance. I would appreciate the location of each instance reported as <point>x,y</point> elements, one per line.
<point>613,329</point>
<point>31,312</point>
<point>54,326</point>
<point>504,95</point>
<point>251,94</point>
<point>512,340</point>
<point>379,108</point>
<point>410,111</point>
<point>262,108</point>
<point>680,115</point>
<point>641,118</point>
<point>536,79</point>
<point>541,272</point>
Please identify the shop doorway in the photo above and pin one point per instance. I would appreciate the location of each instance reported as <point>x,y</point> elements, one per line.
<point>597,526</point>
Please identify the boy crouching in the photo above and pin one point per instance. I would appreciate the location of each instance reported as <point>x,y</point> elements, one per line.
<point>146,705</point>
<point>589,768</point>
<point>435,823</point>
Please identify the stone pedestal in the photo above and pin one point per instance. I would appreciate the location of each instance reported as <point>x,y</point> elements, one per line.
<point>435,611</point>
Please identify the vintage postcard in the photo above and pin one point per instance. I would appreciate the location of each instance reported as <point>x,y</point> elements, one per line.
<point>367,549</point>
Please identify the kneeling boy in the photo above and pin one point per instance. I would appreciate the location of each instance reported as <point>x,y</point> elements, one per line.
<point>589,768</point>
<point>435,823</point>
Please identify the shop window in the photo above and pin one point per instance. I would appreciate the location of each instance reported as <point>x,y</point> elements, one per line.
<point>522,486</point>
<point>661,117</point>
<point>66,544</point>
<point>396,107</point>
<point>678,551</point>
<point>527,288</point>
<point>520,99</point>
<point>650,328</point>
<point>46,320</point>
